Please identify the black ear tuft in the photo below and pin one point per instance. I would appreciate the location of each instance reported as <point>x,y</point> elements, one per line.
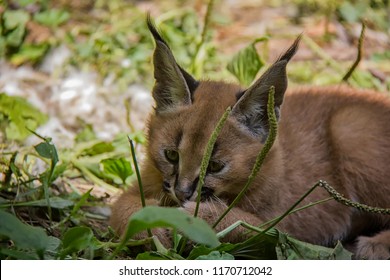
<point>152,28</point>
<point>291,50</point>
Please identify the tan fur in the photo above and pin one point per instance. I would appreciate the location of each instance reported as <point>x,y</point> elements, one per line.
<point>337,134</point>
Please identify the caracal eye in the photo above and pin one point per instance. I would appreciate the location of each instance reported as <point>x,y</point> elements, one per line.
<point>215,166</point>
<point>172,156</point>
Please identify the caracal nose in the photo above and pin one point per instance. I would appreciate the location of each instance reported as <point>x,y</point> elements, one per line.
<point>184,195</point>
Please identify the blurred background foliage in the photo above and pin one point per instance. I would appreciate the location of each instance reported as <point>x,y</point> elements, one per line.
<point>111,37</point>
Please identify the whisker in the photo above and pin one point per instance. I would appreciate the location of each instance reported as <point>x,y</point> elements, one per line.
<point>250,203</point>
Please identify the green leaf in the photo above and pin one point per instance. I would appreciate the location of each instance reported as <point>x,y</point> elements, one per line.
<point>24,236</point>
<point>29,53</point>
<point>59,170</point>
<point>52,17</point>
<point>138,137</point>
<point>259,247</point>
<point>17,254</point>
<point>14,25</point>
<point>290,248</point>
<point>81,202</point>
<point>15,18</point>
<point>99,148</point>
<point>15,37</point>
<point>53,243</point>
<point>216,255</point>
<point>19,114</point>
<point>54,202</point>
<point>86,134</point>
<point>77,239</point>
<point>246,63</point>
<point>152,216</point>
<point>47,150</point>
<point>117,168</point>
<point>340,253</point>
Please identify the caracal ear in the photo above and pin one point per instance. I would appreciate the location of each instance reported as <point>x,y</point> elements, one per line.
<point>251,108</point>
<point>174,86</point>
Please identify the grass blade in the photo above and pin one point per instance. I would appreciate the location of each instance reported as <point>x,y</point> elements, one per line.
<point>207,156</point>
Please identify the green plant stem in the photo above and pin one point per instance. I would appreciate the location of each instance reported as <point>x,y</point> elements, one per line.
<point>140,185</point>
<point>46,180</point>
<point>258,229</point>
<point>197,62</point>
<point>141,188</point>
<point>207,21</point>
<point>207,156</point>
<point>273,127</point>
<point>128,115</point>
<point>297,210</point>
<point>347,202</point>
<point>359,54</point>
<point>289,210</point>
<point>230,228</point>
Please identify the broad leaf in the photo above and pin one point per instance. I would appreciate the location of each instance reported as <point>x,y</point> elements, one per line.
<point>290,248</point>
<point>14,24</point>
<point>152,216</point>
<point>24,236</point>
<point>14,18</point>
<point>246,63</point>
<point>17,254</point>
<point>117,168</point>
<point>47,150</point>
<point>19,114</point>
<point>77,239</point>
